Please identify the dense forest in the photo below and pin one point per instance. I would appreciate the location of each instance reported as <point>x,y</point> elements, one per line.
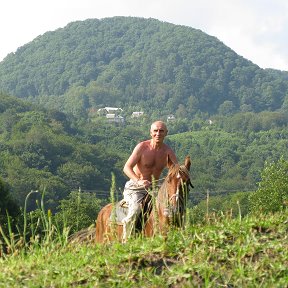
<point>67,126</point>
<point>230,115</point>
<point>140,63</point>
<point>46,150</point>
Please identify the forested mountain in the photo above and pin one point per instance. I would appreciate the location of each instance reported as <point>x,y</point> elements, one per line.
<point>140,63</point>
<point>48,151</point>
<point>40,150</point>
<point>56,145</point>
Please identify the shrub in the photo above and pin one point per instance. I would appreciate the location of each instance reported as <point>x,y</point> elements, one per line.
<point>79,210</point>
<point>272,193</point>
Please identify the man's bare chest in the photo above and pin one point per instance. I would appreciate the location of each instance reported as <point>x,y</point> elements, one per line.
<point>154,159</point>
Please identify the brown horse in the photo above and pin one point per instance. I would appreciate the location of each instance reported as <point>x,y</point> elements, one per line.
<point>171,201</point>
<point>170,207</point>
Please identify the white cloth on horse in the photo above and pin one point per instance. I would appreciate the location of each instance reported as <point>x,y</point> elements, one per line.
<point>133,195</point>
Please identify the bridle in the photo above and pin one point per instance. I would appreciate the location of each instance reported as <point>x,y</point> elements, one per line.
<point>171,211</point>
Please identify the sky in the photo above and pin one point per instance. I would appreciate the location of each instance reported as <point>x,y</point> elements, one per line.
<point>254,29</point>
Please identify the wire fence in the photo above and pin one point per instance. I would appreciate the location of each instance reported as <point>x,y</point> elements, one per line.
<point>118,194</point>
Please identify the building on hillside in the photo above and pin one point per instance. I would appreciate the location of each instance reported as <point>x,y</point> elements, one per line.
<point>210,122</point>
<point>137,114</point>
<point>113,118</point>
<point>109,110</point>
<point>170,118</point>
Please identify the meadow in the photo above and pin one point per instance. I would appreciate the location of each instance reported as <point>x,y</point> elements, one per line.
<point>222,252</point>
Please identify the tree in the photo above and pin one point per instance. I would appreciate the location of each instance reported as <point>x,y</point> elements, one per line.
<point>272,194</point>
<point>7,204</point>
<point>79,210</point>
<point>226,108</point>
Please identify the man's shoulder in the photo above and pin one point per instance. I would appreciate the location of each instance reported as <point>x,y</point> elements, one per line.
<point>167,147</point>
<point>143,145</point>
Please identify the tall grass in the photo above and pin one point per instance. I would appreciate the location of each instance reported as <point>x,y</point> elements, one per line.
<point>38,230</point>
<point>249,251</point>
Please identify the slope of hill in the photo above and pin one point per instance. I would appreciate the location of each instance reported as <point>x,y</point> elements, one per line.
<point>251,252</point>
<point>40,151</point>
<point>139,63</point>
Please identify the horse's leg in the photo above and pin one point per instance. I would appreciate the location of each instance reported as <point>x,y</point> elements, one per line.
<point>148,228</point>
<point>164,227</point>
<point>99,227</point>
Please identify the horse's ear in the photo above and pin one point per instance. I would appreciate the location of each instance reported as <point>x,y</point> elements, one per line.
<point>170,163</point>
<point>187,162</point>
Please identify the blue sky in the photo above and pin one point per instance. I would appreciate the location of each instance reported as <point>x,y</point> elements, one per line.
<point>254,29</point>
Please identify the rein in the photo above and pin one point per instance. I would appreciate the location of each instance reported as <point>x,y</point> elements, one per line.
<point>167,209</point>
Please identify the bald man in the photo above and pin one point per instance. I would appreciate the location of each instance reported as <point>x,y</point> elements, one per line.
<point>146,163</point>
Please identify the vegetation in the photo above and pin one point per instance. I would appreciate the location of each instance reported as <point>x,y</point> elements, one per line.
<point>248,252</point>
<point>57,154</point>
<point>138,64</point>
<point>49,150</point>
<point>79,211</point>
<point>8,205</point>
<point>60,143</point>
<point>215,249</point>
<point>272,194</point>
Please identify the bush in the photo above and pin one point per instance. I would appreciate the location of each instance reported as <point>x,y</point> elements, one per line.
<point>272,193</point>
<point>8,206</point>
<point>232,205</point>
<point>78,211</point>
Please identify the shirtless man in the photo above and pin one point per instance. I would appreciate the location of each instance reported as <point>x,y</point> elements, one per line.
<point>146,163</point>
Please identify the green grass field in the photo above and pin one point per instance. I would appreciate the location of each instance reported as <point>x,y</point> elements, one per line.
<point>248,252</point>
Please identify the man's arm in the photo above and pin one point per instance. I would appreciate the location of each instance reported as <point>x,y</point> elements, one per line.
<point>131,163</point>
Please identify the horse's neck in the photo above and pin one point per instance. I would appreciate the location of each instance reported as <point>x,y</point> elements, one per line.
<point>162,200</point>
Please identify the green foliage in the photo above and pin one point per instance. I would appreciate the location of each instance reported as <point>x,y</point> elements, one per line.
<point>272,194</point>
<point>38,229</point>
<point>250,252</point>
<point>234,204</point>
<point>8,205</point>
<point>78,211</point>
<point>253,122</point>
<point>47,153</point>
<point>40,150</point>
<point>141,63</point>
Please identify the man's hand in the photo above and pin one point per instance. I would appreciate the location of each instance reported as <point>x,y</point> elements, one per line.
<point>144,183</point>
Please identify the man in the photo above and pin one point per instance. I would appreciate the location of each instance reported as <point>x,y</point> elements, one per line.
<point>146,163</point>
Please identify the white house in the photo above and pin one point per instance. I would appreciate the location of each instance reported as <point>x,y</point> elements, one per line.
<point>137,114</point>
<point>113,118</point>
<point>110,110</point>
<point>210,122</point>
<point>170,118</point>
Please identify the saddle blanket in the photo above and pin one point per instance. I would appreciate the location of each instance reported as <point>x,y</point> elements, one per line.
<point>119,212</point>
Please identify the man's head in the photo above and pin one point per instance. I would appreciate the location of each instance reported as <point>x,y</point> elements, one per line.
<point>158,131</point>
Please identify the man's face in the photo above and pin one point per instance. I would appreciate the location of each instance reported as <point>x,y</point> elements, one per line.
<point>158,132</point>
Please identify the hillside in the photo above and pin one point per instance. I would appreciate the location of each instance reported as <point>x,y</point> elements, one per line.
<point>41,150</point>
<point>139,63</point>
<point>251,252</point>
<point>44,149</point>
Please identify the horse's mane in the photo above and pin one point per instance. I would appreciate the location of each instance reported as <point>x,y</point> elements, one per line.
<point>175,169</point>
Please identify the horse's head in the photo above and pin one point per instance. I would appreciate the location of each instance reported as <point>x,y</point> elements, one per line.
<point>177,188</point>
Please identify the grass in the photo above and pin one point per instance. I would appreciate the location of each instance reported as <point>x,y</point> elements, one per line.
<point>248,252</point>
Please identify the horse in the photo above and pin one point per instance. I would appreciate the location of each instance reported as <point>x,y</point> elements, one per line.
<point>169,210</point>
<point>171,201</point>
